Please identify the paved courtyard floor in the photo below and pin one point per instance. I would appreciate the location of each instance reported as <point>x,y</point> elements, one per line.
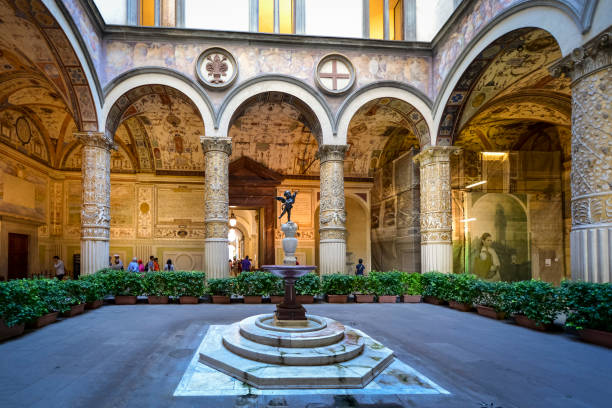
<point>135,356</point>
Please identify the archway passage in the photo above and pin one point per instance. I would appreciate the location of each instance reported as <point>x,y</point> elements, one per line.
<point>514,127</point>
<point>384,134</point>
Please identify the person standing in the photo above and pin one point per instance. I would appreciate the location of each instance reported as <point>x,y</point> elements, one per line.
<point>156,264</point>
<point>360,267</point>
<point>246,264</point>
<point>58,264</point>
<point>141,266</point>
<point>169,266</point>
<point>117,264</point>
<point>133,266</point>
<point>151,264</point>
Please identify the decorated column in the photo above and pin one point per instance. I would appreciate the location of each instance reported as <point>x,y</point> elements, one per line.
<point>436,209</point>
<point>95,209</point>
<point>590,69</point>
<point>332,233</point>
<point>217,151</point>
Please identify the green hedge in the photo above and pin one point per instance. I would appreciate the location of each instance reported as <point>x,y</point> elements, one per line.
<point>589,305</point>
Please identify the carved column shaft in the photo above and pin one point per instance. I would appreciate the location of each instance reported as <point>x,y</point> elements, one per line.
<point>95,208</point>
<point>590,68</point>
<point>332,245</point>
<point>217,151</point>
<point>436,209</point>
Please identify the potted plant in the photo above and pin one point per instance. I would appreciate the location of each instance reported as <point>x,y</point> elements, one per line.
<point>413,287</point>
<point>463,289</point>
<point>590,310</point>
<point>221,289</point>
<point>276,289</point>
<point>252,286</point>
<point>53,298</point>
<point>534,304</point>
<point>124,286</point>
<point>75,297</point>
<point>159,286</point>
<point>337,287</point>
<point>492,299</point>
<point>190,286</point>
<point>435,287</point>
<point>19,303</point>
<point>387,285</point>
<point>363,289</point>
<point>306,287</point>
<point>94,290</point>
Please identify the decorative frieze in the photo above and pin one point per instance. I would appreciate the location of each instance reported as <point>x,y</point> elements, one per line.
<point>583,61</point>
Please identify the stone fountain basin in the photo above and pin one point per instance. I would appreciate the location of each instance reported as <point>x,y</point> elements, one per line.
<point>289,271</point>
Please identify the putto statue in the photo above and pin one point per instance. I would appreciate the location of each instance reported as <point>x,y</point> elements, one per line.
<point>287,204</point>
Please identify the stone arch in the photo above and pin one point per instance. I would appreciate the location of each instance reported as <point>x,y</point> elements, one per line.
<point>118,87</point>
<point>388,89</point>
<point>537,14</point>
<point>308,101</point>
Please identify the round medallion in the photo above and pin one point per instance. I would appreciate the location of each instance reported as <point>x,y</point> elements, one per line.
<point>335,74</point>
<point>22,127</point>
<point>216,68</point>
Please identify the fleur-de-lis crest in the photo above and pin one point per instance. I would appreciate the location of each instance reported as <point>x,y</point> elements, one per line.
<point>217,68</point>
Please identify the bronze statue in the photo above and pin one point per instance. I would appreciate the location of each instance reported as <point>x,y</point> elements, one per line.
<point>287,203</point>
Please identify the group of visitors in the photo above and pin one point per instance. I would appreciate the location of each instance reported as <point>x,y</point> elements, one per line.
<point>138,266</point>
<point>237,266</point>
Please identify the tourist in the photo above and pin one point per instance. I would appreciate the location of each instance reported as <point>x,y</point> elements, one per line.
<point>141,266</point>
<point>151,264</point>
<point>117,264</point>
<point>246,264</point>
<point>169,266</point>
<point>156,264</point>
<point>133,266</point>
<point>359,268</point>
<point>58,264</point>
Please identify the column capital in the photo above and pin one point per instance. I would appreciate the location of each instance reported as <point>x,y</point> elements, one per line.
<point>332,152</point>
<point>435,153</point>
<point>590,57</point>
<point>96,139</point>
<point>216,143</point>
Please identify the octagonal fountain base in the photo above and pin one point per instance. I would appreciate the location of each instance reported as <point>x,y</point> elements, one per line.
<point>322,354</point>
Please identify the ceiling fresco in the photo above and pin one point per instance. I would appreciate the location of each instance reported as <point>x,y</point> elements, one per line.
<point>381,131</point>
<point>509,80</point>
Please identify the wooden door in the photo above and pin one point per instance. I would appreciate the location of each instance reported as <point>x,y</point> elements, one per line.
<point>17,256</point>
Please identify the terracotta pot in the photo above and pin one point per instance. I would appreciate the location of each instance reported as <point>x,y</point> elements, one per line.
<point>434,300</point>
<point>387,299</point>
<point>337,298</point>
<point>364,298</point>
<point>42,320</point>
<point>188,300</point>
<point>304,299</point>
<point>603,338</point>
<point>8,332</point>
<point>462,307</point>
<point>490,312</point>
<point>221,299</point>
<point>276,299</point>
<point>524,321</point>
<point>74,310</point>
<point>251,300</point>
<point>412,298</point>
<point>94,305</point>
<point>158,300</point>
<point>125,300</point>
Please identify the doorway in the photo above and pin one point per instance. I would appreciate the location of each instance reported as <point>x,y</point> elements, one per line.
<point>17,256</point>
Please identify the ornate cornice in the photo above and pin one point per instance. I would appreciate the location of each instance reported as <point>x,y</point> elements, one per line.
<point>332,153</point>
<point>592,56</point>
<point>219,144</point>
<point>96,139</point>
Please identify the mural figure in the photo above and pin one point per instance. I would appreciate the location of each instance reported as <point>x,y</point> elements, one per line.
<point>486,263</point>
<point>287,204</point>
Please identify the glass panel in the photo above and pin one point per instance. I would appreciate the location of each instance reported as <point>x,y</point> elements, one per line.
<point>376,19</point>
<point>147,12</point>
<point>286,16</point>
<point>205,14</point>
<point>396,19</point>
<point>266,16</point>
<point>338,18</point>
<point>113,11</point>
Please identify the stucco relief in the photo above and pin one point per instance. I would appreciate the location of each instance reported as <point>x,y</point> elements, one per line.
<point>144,211</point>
<point>436,212</point>
<point>332,207</point>
<point>216,194</point>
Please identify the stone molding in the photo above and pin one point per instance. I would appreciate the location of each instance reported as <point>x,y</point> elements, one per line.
<point>214,143</point>
<point>96,139</point>
<point>592,56</point>
<point>332,153</point>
